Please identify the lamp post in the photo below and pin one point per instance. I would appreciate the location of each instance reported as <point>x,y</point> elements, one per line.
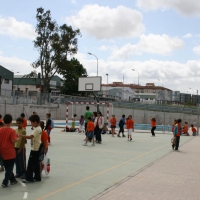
<point>138,75</point>
<point>161,82</point>
<point>107,85</point>
<point>97,60</point>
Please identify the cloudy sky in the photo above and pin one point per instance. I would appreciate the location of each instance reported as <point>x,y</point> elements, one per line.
<point>160,39</point>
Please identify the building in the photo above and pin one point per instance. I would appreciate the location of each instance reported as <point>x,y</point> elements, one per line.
<point>34,85</point>
<point>146,94</point>
<point>6,81</point>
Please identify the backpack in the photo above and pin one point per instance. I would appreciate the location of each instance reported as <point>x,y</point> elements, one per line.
<point>175,130</point>
<point>121,123</point>
<point>41,153</point>
<point>52,124</point>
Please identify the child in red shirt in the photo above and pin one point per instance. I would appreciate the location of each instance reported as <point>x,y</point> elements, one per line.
<point>7,139</point>
<point>194,130</point>
<point>90,131</point>
<point>130,127</point>
<point>113,122</point>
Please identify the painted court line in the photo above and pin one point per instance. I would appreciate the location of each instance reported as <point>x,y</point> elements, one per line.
<point>25,195</point>
<point>23,184</point>
<point>102,172</point>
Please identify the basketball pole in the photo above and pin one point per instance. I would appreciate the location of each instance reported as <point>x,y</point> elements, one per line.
<point>97,99</point>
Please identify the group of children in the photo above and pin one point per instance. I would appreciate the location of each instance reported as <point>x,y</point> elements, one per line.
<point>94,128</point>
<point>13,148</point>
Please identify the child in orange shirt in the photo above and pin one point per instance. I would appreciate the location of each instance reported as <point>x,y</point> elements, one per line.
<point>194,130</point>
<point>130,127</point>
<point>44,141</point>
<point>185,130</point>
<point>153,126</point>
<point>113,122</point>
<point>90,132</point>
<point>24,125</point>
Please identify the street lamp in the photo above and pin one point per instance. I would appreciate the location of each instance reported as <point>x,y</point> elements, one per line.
<point>107,85</point>
<point>138,75</point>
<point>97,60</point>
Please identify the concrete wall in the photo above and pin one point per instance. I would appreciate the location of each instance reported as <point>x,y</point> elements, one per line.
<point>139,116</point>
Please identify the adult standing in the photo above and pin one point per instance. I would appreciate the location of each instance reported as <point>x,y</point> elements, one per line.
<point>87,114</point>
<point>98,124</point>
<point>153,126</point>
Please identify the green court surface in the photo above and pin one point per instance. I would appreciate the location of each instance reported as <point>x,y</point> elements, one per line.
<point>81,172</point>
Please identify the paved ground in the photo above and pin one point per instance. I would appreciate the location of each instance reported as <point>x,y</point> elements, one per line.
<point>111,170</point>
<point>176,176</point>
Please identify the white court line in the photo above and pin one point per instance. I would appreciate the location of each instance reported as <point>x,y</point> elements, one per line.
<point>25,195</point>
<point>23,184</point>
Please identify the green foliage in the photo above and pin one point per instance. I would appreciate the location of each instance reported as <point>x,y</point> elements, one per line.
<point>74,69</point>
<point>54,44</point>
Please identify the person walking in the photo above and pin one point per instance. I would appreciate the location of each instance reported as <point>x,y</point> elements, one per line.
<point>130,127</point>
<point>153,126</point>
<point>87,114</point>
<point>121,126</point>
<point>98,124</point>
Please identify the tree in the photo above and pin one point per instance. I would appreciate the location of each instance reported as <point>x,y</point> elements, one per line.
<point>54,43</point>
<point>71,74</point>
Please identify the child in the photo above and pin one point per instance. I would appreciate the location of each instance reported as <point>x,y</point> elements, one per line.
<point>20,150</point>
<point>48,127</point>
<point>113,122</point>
<point>153,126</point>
<point>34,113</point>
<point>1,160</point>
<point>24,125</point>
<point>185,130</point>
<point>33,161</point>
<point>177,133</point>
<point>1,119</point>
<point>194,130</point>
<point>81,122</point>
<point>173,125</point>
<point>73,122</point>
<point>7,151</point>
<point>130,126</point>
<point>90,131</point>
<point>121,126</point>
<point>44,141</point>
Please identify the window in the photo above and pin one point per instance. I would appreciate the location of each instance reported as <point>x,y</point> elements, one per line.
<point>6,81</point>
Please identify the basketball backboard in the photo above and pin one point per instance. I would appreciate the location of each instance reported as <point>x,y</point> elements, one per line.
<point>89,84</point>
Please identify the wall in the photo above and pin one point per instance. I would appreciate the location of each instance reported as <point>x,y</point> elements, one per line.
<point>139,116</point>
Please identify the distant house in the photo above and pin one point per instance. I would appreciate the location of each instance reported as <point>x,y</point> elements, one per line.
<point>34,85</point>
<point>6,81</point>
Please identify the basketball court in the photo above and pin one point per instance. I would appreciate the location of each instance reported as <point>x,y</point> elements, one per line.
<point>82,172</point>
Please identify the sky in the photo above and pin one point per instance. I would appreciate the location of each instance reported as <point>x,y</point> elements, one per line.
<point>159,39</point>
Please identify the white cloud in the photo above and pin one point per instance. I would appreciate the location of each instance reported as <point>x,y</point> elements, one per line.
<point>197,50</point>
<point>185,7</point>
<point>189,35</point>
<point>15,64</point>
<point>10,26</point>
<point>73,1</point>
<point>174,75</point>
<point>153,44</point>
<point>107,23</point>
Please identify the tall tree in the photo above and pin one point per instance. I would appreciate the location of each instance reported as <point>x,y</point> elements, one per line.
<point>71,74</point>
<point>54,43</point>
